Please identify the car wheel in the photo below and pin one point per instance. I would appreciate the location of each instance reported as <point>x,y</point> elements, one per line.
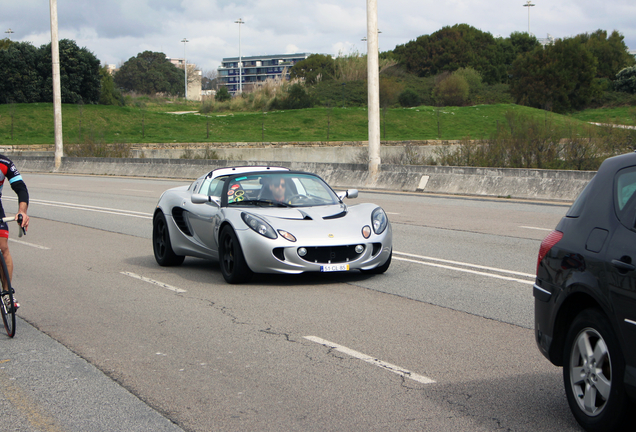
<point>164,255</point>
<point>380,269</point>
<point>593,372</point>
<point>233,265</point>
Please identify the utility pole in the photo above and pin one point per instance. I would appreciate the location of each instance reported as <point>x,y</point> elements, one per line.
<point>57,92</point>
<point>373,82</point>
<point>9,32</point>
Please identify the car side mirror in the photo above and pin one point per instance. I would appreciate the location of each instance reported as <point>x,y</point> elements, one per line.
<point>204,199</point>
<point>349,193</point>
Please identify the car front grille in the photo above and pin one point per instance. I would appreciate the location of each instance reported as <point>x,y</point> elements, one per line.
<point>331,254</point>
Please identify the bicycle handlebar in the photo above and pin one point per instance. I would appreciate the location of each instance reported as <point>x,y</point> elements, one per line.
<point>12,218</point>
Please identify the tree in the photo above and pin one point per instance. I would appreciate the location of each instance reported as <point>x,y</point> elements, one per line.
<point>222,94</point>
<point>5,43</point>
<point>626,80</point>
<point>109,94</point>
<point>314,67</point>
<point>451,91</point>
<point>20,82</point>
<point>150,73</point>
<point>408,98</point>
<point>297,98</point>
<point>452,48</point>
<point>611,52</point>
<point>79,73</point>
<point>522,42</point>
<point>209,81</point>
<point>559,77</point>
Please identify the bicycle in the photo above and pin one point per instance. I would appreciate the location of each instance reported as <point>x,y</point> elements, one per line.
<point>7,307</point>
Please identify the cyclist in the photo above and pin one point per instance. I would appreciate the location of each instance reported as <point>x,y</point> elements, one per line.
<point>8,171</point>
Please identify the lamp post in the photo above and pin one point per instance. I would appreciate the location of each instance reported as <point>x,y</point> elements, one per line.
<point>373,91</point>
<point>528,4</point>
<point>239,22</point>
<point>9,32</point>
<point>185,66</point>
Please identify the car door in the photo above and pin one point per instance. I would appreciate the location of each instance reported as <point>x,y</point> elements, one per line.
<point>621,259</point>
<point>204,218</point>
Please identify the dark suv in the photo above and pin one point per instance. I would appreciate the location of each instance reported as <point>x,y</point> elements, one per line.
<point>585,297</point>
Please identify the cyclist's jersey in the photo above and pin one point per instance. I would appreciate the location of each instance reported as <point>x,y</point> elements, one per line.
<point>8,171</point>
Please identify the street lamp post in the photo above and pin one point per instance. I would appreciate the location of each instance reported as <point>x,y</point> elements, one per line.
<point>185,66</point>
<point>528,4</point>
<point>239,22</point>
<point>9,32</point>
<point>373,91</point>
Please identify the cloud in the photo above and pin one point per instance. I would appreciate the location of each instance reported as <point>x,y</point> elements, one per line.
<point>119,29</point>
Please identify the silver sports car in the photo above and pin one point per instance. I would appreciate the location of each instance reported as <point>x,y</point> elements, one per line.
<point>269,220</point>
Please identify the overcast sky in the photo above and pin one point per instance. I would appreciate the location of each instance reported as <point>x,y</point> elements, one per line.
<point>116,30</point>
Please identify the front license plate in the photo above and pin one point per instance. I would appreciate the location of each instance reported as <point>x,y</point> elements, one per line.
<point>334,267</point>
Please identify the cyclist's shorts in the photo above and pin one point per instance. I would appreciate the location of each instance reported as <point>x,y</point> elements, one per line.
<point>4,228</point>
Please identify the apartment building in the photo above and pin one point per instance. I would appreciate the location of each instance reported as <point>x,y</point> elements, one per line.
<point>256,69</point>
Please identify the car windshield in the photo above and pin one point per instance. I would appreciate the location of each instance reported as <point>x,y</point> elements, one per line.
<point>280,189</point>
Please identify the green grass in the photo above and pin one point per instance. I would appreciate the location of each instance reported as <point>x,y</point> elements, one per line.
<point>620,115</point>
<point>33,123</point>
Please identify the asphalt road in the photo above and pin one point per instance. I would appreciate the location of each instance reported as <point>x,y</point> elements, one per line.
<point>442,341</point>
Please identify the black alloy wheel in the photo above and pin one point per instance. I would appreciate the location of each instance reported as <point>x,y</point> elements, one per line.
<point>233,265</point>
<point>161,245</point>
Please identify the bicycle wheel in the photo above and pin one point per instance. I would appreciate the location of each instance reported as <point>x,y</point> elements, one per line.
<point>6,305</point>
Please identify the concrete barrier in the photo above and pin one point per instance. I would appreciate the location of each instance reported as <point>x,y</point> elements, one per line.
<point>549,185</point>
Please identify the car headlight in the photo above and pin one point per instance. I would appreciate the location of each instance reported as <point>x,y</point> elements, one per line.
<point>379,221</point>
<point>259,225</point>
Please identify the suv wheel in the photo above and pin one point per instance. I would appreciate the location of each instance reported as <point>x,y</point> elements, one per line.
<point>593,373</point>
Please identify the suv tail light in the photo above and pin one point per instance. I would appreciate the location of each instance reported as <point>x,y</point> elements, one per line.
<point>553,238</point>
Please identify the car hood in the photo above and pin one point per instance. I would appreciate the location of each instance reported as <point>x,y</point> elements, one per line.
<point>300,213</point>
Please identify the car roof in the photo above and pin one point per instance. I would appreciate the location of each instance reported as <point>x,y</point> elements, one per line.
<point>242,170</point>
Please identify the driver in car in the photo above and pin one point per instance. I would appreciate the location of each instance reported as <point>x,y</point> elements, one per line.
<point>277,188</point>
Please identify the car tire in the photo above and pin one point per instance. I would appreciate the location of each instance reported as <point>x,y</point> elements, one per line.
<point>382,268</point>
<point>231,259</point>
<point>161,244</point>
<point>593,369</point>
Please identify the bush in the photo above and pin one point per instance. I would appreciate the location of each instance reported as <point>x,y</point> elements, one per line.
<point>222,95</point>
<point>626,80</point>
<point>472,77</point>
<point>452,91</point>
<point>408,98</point>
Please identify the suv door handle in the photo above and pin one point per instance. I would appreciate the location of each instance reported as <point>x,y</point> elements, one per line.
<point>623,266</point>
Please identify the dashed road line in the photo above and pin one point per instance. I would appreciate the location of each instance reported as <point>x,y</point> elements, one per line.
<point>372,360</point>
<point>29,244</point>
<point>71,206</point>
<point>495,269</point>
<point>154,282</point>
<point>536,228</point>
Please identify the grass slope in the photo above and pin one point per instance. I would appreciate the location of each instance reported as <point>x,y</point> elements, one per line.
<point>33,123</point>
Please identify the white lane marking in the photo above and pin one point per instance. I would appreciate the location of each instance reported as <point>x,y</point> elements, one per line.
<point>374,361</point>
<point>154,282</point>
<point>466,271</point>
<point>107,210</point>
<point>138,190</point>
<point>536,228</point>
<point>498,270</point>
<point>29,244</point>
<point>392,213</point>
